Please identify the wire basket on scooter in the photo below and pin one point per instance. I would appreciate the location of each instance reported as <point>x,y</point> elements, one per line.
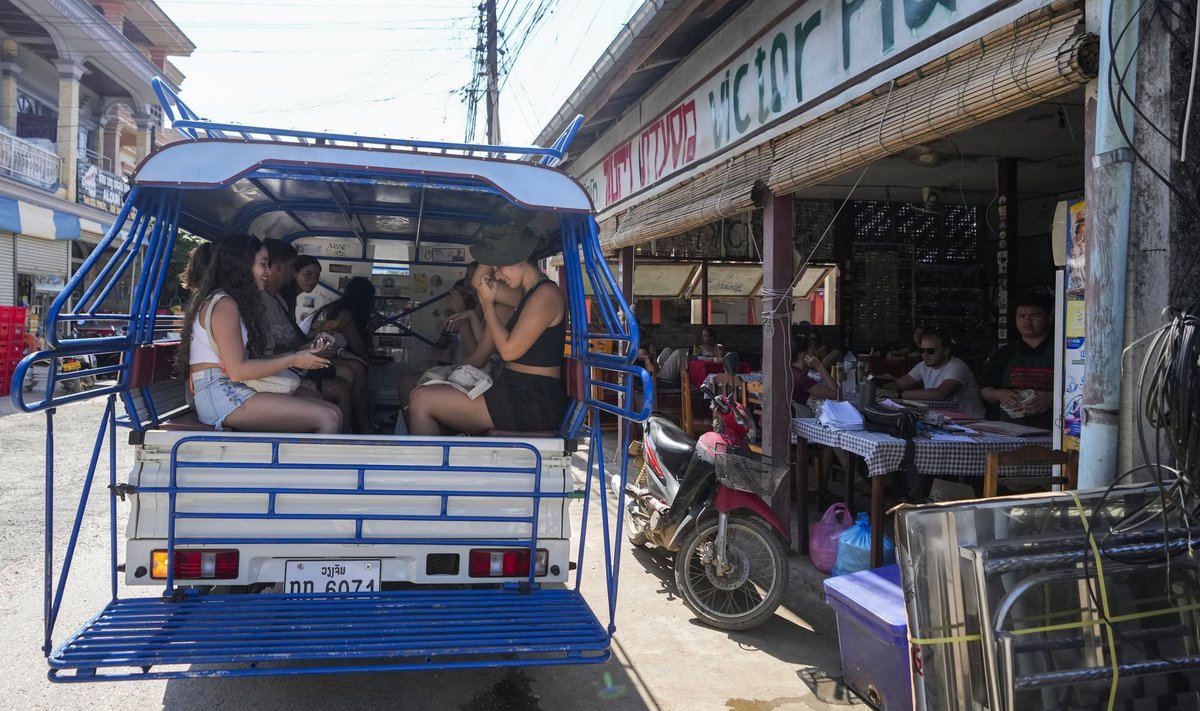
<point>747,471</point>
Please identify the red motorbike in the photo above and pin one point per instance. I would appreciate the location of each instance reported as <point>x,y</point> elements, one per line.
<point>704,501</point>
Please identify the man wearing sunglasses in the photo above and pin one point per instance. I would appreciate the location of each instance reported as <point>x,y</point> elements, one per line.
<point>940,376</point>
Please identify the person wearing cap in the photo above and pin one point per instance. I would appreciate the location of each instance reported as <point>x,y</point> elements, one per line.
<point>528,394</point>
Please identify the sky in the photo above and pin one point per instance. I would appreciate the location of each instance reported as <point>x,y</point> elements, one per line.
<point>391,68</point>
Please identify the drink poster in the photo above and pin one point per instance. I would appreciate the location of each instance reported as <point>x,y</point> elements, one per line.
<point>1074,337</point>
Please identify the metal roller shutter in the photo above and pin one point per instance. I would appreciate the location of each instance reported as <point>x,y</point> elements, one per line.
<point>8,285</point>
<point>42,256</point>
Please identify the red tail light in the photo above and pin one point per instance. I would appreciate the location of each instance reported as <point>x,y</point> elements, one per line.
<point>197,564</point>
<point>504,563</point>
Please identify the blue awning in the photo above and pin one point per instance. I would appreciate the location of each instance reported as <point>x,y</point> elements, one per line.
<point>66,226</point>
<point>25,218</point>
<point>10,215</point>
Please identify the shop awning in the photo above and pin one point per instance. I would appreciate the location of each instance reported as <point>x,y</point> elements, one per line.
<point>726,280</point>
<point>25,218</point>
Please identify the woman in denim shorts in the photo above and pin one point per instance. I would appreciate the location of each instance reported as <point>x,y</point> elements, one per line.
<point>229,290</point>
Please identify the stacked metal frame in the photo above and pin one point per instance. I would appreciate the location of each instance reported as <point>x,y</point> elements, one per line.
<point>1056,601</point>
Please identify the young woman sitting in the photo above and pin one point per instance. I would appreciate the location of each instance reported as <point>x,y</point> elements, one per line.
<point>216,355</point>
<point>528,394</point>
<point>349,320</point>
<point>347,365</point>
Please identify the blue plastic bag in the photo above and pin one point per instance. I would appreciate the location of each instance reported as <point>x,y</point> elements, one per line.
<point>854,548</point>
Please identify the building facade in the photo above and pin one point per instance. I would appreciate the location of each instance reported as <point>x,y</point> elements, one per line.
<point>77,114</point>
<point>912,154</point>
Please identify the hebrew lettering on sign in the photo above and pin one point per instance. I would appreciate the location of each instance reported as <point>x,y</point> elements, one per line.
<point>618,173</point>
<point>669,143</point>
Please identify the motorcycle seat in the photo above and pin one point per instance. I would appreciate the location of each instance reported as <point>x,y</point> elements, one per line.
<point>673,445</point>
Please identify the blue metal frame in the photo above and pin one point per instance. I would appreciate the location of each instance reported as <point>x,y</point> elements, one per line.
<point>557,626</point>
<point>189,123</point>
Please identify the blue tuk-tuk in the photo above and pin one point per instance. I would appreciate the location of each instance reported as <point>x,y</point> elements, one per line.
<point>268,553</point>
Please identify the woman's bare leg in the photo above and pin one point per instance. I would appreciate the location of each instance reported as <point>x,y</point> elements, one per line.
<point>337,392</point>
<point>355,374</point>
<point>274,412</point>
<point>432,407</point>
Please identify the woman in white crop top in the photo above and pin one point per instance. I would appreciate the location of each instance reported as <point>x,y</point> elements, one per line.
<point>237,273</point>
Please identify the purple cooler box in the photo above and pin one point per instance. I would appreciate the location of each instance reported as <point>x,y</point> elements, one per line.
<point>873,635</point>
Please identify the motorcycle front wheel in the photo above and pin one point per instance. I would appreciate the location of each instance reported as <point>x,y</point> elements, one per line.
<point>748,591</point>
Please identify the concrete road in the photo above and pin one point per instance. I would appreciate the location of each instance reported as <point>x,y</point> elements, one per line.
<point>662,658</point>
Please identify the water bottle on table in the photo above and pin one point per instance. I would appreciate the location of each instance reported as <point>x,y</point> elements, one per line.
<point>850,371</point>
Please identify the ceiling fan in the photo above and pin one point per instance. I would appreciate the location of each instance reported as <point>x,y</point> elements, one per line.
<point>930,153</point>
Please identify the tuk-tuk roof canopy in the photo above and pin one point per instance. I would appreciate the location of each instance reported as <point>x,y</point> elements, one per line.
<point>290,190</point>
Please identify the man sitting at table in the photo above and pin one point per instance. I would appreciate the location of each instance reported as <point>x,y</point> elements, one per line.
<point>940,376</point>
<point>1020,376</point>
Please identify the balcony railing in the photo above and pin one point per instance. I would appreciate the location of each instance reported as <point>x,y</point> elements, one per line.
<point>28,163</point>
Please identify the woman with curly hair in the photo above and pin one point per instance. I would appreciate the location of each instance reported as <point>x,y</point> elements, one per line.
<point>238,269</point>
<point>198,261</point>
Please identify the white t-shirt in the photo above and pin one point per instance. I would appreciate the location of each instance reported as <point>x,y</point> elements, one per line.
<point>967,399</point>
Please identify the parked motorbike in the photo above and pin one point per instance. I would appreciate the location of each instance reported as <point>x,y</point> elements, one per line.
<point>37,375</point>
<point>703,501</point>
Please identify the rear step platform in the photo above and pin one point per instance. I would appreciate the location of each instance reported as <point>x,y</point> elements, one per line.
<point>258,635</point>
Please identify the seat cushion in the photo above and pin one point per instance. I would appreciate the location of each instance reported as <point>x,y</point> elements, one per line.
<point>511,433</point>
<point>187,422</point>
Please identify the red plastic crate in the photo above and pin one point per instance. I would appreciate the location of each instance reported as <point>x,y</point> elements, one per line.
<point>12,314</point>
<point>11,332</point>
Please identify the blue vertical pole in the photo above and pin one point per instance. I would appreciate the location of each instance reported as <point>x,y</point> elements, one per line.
<point>112,495</point>
<point>47,592</point>
<point>1108,204</point>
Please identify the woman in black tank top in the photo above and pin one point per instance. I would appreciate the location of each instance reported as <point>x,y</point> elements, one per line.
<point>528,395</point>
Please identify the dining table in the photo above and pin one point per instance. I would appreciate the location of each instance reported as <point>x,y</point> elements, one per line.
<point>937,452</point>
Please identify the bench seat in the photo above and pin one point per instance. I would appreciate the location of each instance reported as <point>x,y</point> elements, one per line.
<point>187,422</point>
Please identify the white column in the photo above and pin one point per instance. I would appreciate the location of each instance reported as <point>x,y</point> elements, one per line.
<point>9,70</point>
<point>146,124</point>
<point>69,73</point>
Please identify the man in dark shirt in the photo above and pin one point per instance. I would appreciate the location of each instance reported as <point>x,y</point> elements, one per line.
<point>1024,366</point>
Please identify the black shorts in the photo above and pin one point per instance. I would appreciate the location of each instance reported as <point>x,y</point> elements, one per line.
<point>520,402</point>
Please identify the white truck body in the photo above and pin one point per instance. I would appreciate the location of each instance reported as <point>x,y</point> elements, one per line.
<point>342,483</point>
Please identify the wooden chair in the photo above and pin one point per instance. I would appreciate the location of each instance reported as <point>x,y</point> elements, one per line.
<point>694,423</point>
<point>1031,455</point>
<point>752,400</point>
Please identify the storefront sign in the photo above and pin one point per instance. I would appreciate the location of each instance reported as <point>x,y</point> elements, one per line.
<point>99,188</point>
<point>816,48</point>
<point>52,283</point>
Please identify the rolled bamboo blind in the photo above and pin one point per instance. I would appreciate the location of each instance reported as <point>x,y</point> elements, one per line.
<point>1041,55</point>
<point>721,192</point>
<point>1038,57</point>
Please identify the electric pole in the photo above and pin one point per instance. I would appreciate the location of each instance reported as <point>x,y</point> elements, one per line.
<point>493,82</point>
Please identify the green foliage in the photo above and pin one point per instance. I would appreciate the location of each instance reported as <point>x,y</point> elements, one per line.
<point>173,294</point>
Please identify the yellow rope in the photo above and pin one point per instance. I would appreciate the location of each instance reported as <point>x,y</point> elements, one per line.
<point>1108,620</point>
<point>1103,588</point>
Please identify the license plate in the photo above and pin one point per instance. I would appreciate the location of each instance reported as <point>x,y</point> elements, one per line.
<point>70,365</point>
<point>331,576</point>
